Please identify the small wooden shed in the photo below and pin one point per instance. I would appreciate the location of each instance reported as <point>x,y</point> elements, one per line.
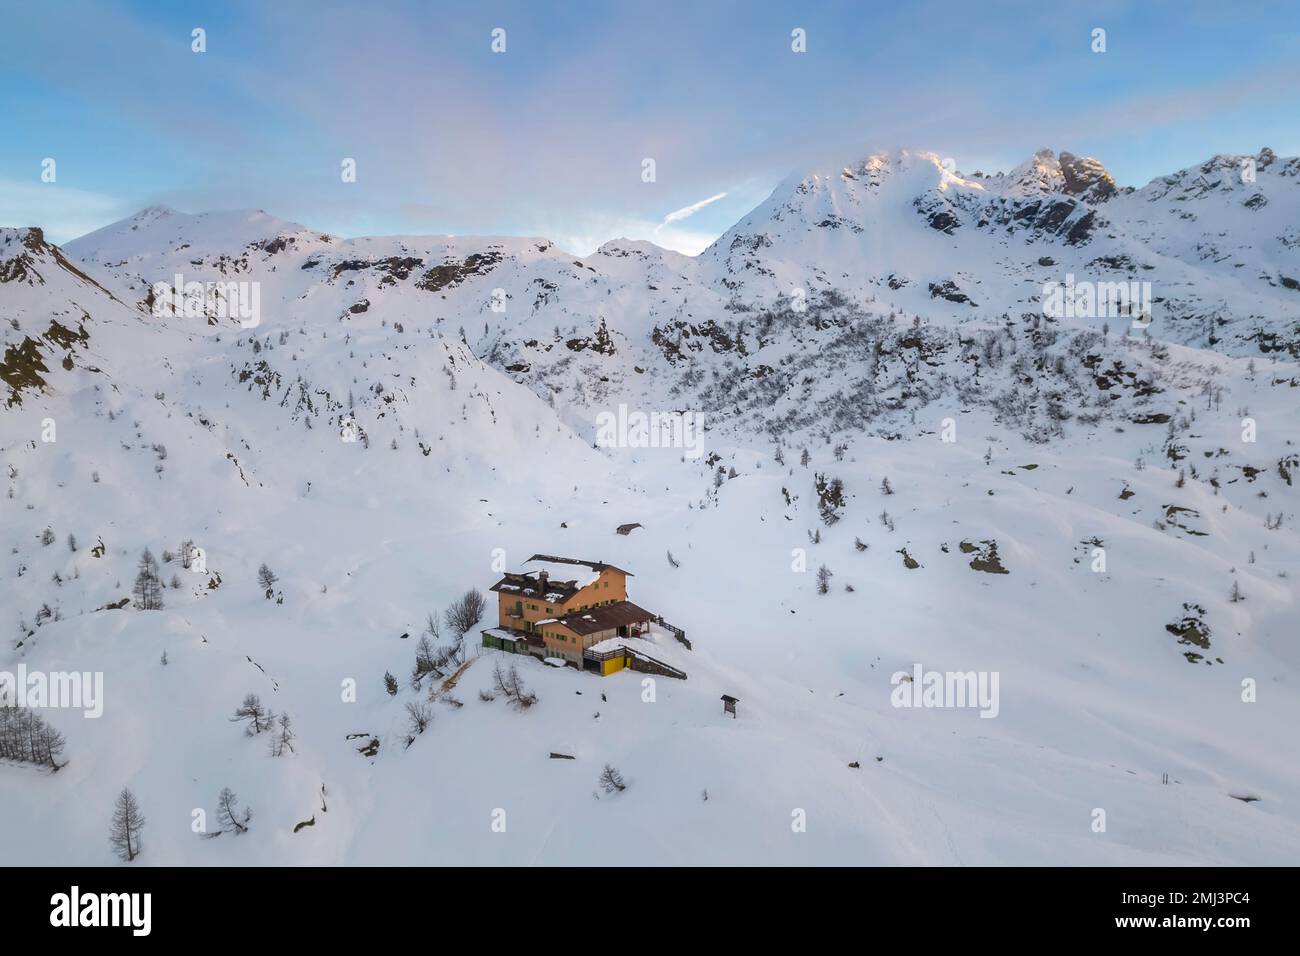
<point>729,705</point>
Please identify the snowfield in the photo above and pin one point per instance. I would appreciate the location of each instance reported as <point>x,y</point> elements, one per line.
<point>1047,500</point>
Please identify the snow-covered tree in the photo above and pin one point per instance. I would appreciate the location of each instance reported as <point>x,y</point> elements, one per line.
<point>25,737</point>
<point>611,781</point>
<point>466,611</point>
<point>128,824</point>
<point>830,498</point>
<point>230,817</point>
<point>282,738</point>
<point>824,575</point>
<point>148,588</point>
<point>512,686</point>
<point>251,710</point>
<point>267,578</point>
<point>419,715</point>
<point>424,655</point>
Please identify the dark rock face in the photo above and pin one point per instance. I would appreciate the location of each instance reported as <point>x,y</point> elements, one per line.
<point>1087,178</point>
<point>1070,219</point>
<point>601,341</point>
<point>948,290</point>
<point>1081,231</point>
<point>938,213</point>
<point>395,267</point>
<point>836,222</point>
<point>273,246</point>
<point>944,222</point>
<point>453,274</point>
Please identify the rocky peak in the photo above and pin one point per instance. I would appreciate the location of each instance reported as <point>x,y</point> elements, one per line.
<point>1072,175</point>
<point>1086,177</point>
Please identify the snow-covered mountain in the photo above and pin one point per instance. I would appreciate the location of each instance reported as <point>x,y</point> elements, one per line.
<point>1221,252</point>
<point>1101,513</point>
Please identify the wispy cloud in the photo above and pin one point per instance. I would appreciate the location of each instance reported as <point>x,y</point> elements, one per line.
<point>687,211</point>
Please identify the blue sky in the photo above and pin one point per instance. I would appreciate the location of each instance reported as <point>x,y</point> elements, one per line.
<point>548,137</point>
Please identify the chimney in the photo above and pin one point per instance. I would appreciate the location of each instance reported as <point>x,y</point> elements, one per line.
<point>541,583</point>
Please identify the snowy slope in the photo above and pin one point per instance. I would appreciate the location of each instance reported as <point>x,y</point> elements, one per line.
<point>475,449</point>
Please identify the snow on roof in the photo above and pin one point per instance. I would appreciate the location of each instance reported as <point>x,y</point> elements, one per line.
<point>596,566</point>
<point>579,574</point>
<point>557,592</point>
<point>634,645</point>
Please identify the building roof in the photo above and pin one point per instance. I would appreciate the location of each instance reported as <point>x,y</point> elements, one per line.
<point>559,585</point>
<point>555,592</point>
<point>596,566</point>
<point>604,618</point>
